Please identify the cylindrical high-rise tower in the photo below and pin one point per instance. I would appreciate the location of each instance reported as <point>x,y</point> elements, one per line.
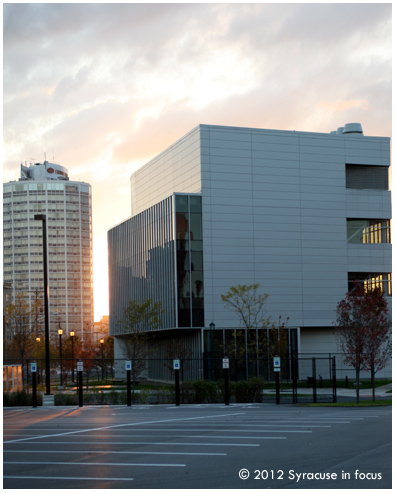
<point>44,188</point>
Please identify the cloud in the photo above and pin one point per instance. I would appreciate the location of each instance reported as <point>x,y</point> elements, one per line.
<point>106,87</point>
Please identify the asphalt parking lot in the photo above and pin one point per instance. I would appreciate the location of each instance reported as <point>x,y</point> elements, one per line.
<point>197,446</point>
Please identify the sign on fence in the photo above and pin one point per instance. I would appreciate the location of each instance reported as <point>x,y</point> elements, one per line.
<point>277,363</point>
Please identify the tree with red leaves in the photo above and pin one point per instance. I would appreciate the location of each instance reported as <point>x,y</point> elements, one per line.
<point>364,331</point>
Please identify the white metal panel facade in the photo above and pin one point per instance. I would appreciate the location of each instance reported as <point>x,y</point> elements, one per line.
<point>274,212</point>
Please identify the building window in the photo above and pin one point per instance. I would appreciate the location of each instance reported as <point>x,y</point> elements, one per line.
<point>371,281</point>
<point>190,293</point>
<point>366,177</point>
<point>368,231</point>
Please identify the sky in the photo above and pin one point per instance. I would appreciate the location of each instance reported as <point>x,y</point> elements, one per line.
<point>103,88</point>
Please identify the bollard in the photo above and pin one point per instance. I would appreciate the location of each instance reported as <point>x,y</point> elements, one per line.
<point>80,382</point>
<point>176,367</point>
<point>277,367</point>
<point>128,368</point>
<point>33,369</point>
<point>277,386</point>
<point>226,368</point>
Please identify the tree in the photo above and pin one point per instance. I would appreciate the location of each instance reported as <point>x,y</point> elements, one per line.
<point>177,349</point>
<point>87,355</point>
<point>137,323</point>
<point>277,343</point>
<point>378,334</point>
<point>249,306</point>
<point>105,354</point>
<point>363,331</point>
<point>22,324</point>
<point>71,350</point>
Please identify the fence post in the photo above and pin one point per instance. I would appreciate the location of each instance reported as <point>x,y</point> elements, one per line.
<point>314,379</point>
<point>334,380</point>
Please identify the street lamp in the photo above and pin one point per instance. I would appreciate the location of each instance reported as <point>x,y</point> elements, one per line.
<point>43,218</point>
<point>60,332</point>
<point>101,345</point>
<point>72,334</point>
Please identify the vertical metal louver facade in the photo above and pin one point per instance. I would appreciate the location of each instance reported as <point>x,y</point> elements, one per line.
<point>146,262</point>
<point>141,263</point>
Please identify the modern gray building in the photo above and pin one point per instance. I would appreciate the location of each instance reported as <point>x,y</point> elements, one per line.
<point>303,214</point>
<point>45,188</point>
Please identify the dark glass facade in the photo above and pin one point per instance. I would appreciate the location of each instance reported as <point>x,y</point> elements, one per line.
<point>189,254</point>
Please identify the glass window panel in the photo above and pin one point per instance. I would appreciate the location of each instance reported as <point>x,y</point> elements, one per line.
<point>196,246</point>
<point>196,261</point>
<point>181,203</point>
<point>182,226</point>
<point>355,230</point>
<point>196,226</point>
<point>195,203</point>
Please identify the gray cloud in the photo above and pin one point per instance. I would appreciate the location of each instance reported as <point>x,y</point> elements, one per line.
<point>106,87</point>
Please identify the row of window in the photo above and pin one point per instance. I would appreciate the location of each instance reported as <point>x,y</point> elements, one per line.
<point>371,281</point>
<point>368,231</point>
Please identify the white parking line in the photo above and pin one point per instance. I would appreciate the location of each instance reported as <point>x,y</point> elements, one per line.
<point>158,443</point>
<point>67,477</point>
<point>123,425</point>
<point>129,464</point>
<point>109,452</point>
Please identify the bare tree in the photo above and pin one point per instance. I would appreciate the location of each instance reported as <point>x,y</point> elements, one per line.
<point>249,306</point>
<point>21,320</point>
<point>137,323</point>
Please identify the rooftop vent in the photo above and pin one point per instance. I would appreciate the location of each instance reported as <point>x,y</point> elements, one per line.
<point>349,128</point>
<point>353,128</point>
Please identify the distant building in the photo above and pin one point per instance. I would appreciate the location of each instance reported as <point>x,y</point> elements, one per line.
<point>44,188</point>
<point>100,329</point>
<point>303,214</point>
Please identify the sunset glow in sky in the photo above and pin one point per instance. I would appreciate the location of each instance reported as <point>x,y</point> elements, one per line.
<point>103,88</point>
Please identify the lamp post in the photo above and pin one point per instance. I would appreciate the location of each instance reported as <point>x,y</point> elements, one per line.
<point>101,347</point>
<point>60,332</point>
<point>43,218</point>
<point>72,334</point>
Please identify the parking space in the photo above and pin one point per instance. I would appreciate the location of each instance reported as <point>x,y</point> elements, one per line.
<point>207,446</point>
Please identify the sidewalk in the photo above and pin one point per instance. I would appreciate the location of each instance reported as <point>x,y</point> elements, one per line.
<point>379,391</point>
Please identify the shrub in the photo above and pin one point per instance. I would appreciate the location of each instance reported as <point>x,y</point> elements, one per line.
<point>256,387</point>
<point>204,391</point>
<point>66,400</point>
<point>186,392</point>
<point>166,395</point>
<point>20,399</point>
<point>241,391</point>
